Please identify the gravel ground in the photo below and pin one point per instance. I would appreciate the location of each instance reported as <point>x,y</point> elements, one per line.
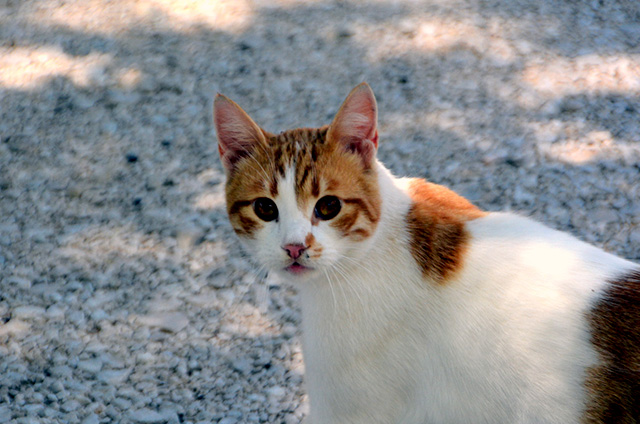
<point>123,295</point>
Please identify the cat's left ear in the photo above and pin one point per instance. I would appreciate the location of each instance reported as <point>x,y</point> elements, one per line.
<point>355,126</point>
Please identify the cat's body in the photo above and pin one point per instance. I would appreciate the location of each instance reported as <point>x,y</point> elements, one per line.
<point>417,306</point>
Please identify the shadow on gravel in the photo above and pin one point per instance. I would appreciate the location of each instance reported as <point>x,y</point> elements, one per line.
<point>111,190</point>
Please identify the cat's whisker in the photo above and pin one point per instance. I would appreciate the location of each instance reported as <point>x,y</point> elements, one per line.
<point>333,295</point>
<point>265,174</point>
<point>269,157</point>
<point>342,288</point>
<point>343,273</point>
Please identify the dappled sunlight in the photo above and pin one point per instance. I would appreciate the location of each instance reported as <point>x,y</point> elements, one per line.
<point>213,198</point>
<point>574,152</point>
<point>588,74</point>
<point>246,320</point>
<point>98,242</point>
<point>207,256</point>
<point>27,68</point>
<point>436,36</point>
<point>101,243</point>
<point>116,16</point>
<point>209,201</point>
<point>16,328</point>
<point>441,117</point>
<point>597,144</point>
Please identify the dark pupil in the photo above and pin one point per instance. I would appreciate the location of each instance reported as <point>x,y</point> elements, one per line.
<point>266,209</point>
<point>328,207</point>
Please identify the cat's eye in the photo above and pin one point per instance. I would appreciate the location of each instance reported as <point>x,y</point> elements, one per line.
<point>265,208</point>
<point>328,207</point>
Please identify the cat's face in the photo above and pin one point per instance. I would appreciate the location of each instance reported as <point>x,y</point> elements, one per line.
<point>305,201</point>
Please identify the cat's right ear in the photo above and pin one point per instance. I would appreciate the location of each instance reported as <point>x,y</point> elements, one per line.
<point>237,134</point>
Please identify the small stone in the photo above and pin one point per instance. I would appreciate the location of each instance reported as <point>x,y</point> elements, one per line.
<point>5,414</point>
<point>291,419</point>
<point>147,416</point>
<point>55,312</point>
<point>99,315</point>
<point>61,371</point>
<point>242,366</point>
<point>171,416</point>
<point>70,405</point>
<point>21,282</point>
<point>219,281</point>
<point>171,322</point>
<point>113,376</point>
<point>91,365</point>
<point>131,157</point>
<point>276,392</point>
<point>189,236</point>
<point>91,419</point>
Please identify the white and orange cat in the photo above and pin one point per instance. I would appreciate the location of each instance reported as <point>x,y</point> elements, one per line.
<point>417,306</point>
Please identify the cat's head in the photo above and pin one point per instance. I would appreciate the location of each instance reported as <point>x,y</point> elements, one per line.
<point>304,202</point>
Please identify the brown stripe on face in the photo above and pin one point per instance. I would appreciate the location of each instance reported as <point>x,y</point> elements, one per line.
<point>236,206</point>
<point>315,185</point>
<point>436,223</point>
<point>359,234</point>
<point>372,213</point>
<point>273,185</point>
<point>302,176</point>
<point>613,387</point>
<point>244,225</point>
<point>346,219</point>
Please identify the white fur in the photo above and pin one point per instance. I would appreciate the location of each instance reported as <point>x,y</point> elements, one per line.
<point>504,341</point>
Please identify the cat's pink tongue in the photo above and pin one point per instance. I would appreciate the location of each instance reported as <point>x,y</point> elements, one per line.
<point>296,268</point>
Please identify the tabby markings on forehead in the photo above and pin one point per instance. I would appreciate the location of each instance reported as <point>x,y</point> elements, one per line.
<point>298,147</point>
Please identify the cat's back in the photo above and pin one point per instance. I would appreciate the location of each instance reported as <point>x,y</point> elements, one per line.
<point>505,243</point>
<point>573,304</point>
<point>551,320</point>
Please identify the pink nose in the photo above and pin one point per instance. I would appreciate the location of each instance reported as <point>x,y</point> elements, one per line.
<point>294,250</point>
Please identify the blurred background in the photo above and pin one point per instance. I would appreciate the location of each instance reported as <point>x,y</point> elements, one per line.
<point>124,297</point>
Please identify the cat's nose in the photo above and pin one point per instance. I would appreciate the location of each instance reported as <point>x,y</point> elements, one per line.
<point>294,250</point>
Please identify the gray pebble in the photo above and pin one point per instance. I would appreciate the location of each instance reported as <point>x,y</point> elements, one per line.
<point>147,416</point>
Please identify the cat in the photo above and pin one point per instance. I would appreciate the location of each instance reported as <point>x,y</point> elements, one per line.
<point>417,306</point>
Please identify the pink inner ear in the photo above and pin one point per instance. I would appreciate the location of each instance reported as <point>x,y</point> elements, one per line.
<point>237,133</point>
<point>356,123</point>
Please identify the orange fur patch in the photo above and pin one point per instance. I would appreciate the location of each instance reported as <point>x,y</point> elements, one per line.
<point>436,222</point>
<point>613,387</point>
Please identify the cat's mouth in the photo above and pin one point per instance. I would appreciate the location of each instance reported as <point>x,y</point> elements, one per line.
<point>297,269</point>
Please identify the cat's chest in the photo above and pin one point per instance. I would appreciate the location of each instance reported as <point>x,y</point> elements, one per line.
<point>401,363</point>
